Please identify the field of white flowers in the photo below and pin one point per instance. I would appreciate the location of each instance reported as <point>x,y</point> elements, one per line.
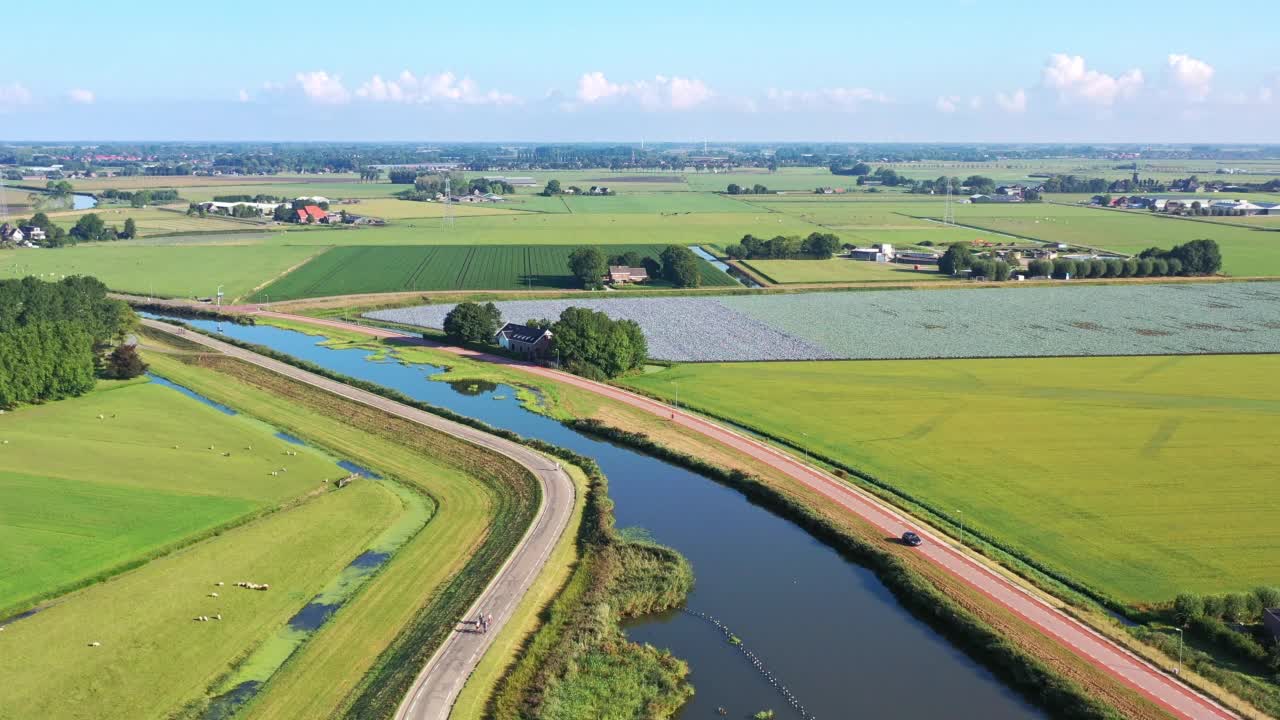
<point>998,322</point>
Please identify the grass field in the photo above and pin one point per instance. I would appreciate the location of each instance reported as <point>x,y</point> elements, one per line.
<point>174,271</point>
<point>1143,477</point>
<point>154,221</point>
<point>396,209</point>
<point>1244,252</point>
<point>86,495</point>
<point>841,270</point>
<point>153,658</point>
<point>350,270</point>
<point>670,203</point>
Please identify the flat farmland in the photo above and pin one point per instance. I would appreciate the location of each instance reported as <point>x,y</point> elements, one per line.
<point>854,214</point>
<point>330,189</point>
<point>351,270</point>
<point>397,209</point>
<point>1141,477</point>
<point>842,270</point>
<point>167,270</point>
<point>154,221</point>
<point>85,495</point>
<point>1245,252</point>
<point>137,182</point>
<point>670,203</point>
<point>541,228</point>
<point>1012,320</point>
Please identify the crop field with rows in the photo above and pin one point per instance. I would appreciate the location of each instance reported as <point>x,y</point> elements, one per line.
<point>348,270</point>
<point>998,322</point>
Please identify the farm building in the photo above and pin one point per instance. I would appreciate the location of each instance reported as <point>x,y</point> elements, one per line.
<point>528,341</point>
<point>11,233</point>
<point>916,258</point>
<point>621,274</point>
<point>314,199</point>
<point>875,253</point>
<point>312,214</point>
<point>33,232</point>
<point>994,198</point>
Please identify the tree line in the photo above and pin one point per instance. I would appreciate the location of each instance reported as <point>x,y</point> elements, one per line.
<point>140,198</point>
<point>586,342</point>
<point>817,246</point>
<point>54,336</point>
<point>736,189</point>
<point>1197,257</point>
<point>88,228</point>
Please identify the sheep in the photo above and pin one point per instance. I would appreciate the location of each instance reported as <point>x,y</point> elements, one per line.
<point>95,643</point>
<point>218,616</point>
<point>213,594</point>
<point>219,583</point>
<point>100,416</point>
<point>210,447</point>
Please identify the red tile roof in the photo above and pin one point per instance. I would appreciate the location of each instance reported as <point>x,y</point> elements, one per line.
<point>315,212</point>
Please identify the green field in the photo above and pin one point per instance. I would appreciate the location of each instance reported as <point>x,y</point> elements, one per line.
<point>86,495</point>
<point>1245,252</point>
<point>351,270</point>
<point>155,221</point>
<point>842,270</point>
<point>671,203</point>
<point>173,271</point>
<point>1142,477</point>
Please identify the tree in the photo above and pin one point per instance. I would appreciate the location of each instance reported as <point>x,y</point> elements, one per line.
<point>680,266</point>
<point>472,322</point>
<point>587,264</point>
<point>592,344</point>
<point>1198,257</point>
<point>1040,268</point>
<point>956,258</point>
<point>1002,271</point>
<point>734,189</point>
<point>1188,607</point>
<point>1064,269</point>
<point>860,169</point>
<point>631,258</point>
<point>89,228</point>
<point>820,246</point>
<point>1115,267</point>
<point>130,229</point>
<point>124,363</point>
<point>552,188</point>
<point>1235,607</point>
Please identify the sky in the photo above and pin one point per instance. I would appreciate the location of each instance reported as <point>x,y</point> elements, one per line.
<point>929,71</point>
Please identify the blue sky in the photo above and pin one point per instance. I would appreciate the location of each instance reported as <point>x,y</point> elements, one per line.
<point>927,71</point>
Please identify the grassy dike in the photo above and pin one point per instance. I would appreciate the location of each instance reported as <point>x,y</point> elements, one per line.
<point>484,503</point>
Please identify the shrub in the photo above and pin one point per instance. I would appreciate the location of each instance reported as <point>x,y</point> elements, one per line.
<point>1040,268</point>
<point>1097,268</point>
<point>1268,597</point>
<point>1159,267</point>
<point>1063,268</point>
<point>1115,268</point>
<point>1213,606</point>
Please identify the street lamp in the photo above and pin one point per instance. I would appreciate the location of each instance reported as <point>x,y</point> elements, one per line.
<point>219,294</point>
<point>1179,671</point>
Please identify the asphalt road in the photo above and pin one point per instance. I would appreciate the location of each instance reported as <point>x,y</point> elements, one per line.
<point>438,684</point>
<point>1157,685</point>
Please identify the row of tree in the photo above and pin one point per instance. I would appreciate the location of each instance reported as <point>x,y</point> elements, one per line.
<point>53,337</point>
<point>141,198</point>
<point>677,264</point>
<point>736,189</point>
<point>816,246</point>
<point>586,342</point>
<point>89,228</point>
<point>1197,257</point>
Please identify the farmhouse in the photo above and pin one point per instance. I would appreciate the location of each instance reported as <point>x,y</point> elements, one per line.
<point>11,233</point>
<point>622,275</point>
<point>33,232</point>
<point>312,214</point>
<point>528,341</point>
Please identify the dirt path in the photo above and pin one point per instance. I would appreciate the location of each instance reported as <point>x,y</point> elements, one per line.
<point>1085,642</point>
<point>437,686</point>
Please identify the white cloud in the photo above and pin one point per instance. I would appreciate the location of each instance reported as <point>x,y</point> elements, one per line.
<point>1068,75</point>
<point>947,104</point>
<point>1015,102</point>
<point>12,95</point>
<point>661,93</point>
<point>444,87</point>
<point>323,88</point>
<point>243,95</point>
<point>1192,76</point>
<point>80,96</point>
<point>845,99</point>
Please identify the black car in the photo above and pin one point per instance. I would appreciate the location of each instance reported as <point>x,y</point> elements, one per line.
<point>910,538</point>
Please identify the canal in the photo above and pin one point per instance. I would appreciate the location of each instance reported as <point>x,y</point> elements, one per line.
<point>825,628</point>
